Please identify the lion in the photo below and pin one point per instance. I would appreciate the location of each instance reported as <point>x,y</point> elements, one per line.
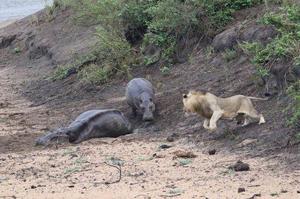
<point>213,108</point>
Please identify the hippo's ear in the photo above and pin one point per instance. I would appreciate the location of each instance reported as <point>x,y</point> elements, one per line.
<point>184,95</point>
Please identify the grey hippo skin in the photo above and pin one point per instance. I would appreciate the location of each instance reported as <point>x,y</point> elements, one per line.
<point>140,97</point>
<point>91,124</point>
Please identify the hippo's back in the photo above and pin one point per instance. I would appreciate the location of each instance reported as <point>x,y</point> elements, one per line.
<point>87,116</point>
<point>137,86</point>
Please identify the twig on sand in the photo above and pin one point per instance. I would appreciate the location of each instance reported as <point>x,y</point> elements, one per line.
<point>171,195</point>
<point>255,195</point>
<point>120,173</point>
<point>142,195</point>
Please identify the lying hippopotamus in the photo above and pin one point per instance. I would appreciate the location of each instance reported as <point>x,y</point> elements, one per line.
<point>91,124</point>
<point>140,97</point>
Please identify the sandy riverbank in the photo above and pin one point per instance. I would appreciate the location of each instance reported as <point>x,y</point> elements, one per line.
<point>6,22</point>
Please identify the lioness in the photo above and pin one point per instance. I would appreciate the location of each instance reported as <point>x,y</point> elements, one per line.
<point>212,108</point>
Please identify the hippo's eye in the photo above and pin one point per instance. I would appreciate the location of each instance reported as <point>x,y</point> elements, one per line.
<point>150,99</point>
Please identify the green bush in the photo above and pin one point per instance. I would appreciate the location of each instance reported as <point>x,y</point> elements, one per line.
<point>219,12</point>
<point>285,47</point>
<point>294,92</point>
<point>229,55</point>
<point>147,22</point>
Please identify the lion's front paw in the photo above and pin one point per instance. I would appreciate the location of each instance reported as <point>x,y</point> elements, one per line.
<point>206,127</point>
<point>212,128</point>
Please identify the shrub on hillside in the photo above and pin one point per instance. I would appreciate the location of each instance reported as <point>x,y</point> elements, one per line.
<point>164,24</point>
<point>285,48</point>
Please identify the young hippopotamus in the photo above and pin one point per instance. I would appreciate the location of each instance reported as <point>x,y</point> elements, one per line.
<point>140,97</point>
<point>91,124</point>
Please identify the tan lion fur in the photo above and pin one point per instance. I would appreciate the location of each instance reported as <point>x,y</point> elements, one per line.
<point>213,108</point>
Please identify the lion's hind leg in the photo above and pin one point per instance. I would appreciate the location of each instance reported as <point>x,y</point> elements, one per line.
<point>249,110</point>
<point>254,114</point>
<point>242,118</point>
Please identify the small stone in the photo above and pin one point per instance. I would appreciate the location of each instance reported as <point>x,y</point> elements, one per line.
<point>170,139</point>
<point>298,191</point>
<point>241,189</point>
<point>165,146</point>
<point>247,142</point>
<point>155,155</point>
<point>212,151</point>
<point>184,154</point>
<point>240,166</point>
<point>33,187</point>
<point>284,191</point>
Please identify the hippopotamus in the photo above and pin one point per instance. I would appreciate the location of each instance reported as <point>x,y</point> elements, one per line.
<point>140,97</point>
<point>91,124</point>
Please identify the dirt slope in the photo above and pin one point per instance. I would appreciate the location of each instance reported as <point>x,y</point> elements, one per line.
<point>31,104</point>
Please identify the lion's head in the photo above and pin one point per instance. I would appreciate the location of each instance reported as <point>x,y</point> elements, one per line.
<point>191,101</point>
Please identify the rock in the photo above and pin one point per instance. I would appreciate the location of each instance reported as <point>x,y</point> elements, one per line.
<point>284,191</point>
<point>157,155</point>
<point>183,154</point>
<point>241,189</point>
<point>4,104</point>
<point>37,48</point>
<point>258,32</point>
<point>298,191</point>
<point>254,32</point>
<point>247,142</point>
<point>240,166</point>
<point>5,41</point>
<point>33,187</point>
<point>170,139</point>
<point>2,178</point>
<point>226,39</point>
<point>212,151</point>
<point>255,195</point>
<point>165,146</point>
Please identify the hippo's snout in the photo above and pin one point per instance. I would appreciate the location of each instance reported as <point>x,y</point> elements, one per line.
<point>148,117</point>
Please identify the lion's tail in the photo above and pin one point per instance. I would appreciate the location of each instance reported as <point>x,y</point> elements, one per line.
<point>257,98</point>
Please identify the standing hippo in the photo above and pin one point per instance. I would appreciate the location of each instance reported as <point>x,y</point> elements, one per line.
<point>140,97</point>
<point>91,124</point>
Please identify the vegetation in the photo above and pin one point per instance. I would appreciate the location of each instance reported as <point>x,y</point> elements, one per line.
<point>284,48</point>
<point>136,24</point>
<point>294,92</point>
<point>126,28</point>
<point>229,55</point>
